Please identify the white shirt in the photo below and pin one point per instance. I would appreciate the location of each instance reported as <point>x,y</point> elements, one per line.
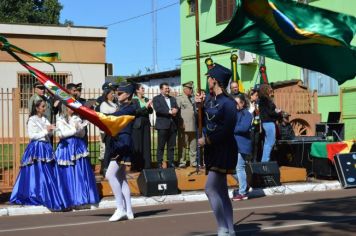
<point>168,101</point>
<point>37,128</point>
<point>108,107</point>
<point>75,126</point>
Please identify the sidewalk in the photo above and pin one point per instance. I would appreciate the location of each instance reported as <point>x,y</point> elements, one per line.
<point>191,196</point>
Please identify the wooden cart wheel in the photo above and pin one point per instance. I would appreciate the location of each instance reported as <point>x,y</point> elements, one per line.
<point>301,127</point>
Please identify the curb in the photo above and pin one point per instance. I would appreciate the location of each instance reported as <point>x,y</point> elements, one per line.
<point>194,196</point>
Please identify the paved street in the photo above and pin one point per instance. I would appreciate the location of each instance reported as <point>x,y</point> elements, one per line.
<point>316,213</point>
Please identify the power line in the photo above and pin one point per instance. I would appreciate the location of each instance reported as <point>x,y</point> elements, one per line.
<point>139,16</point>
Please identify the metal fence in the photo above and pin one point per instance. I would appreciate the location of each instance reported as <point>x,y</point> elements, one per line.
<point>14,138</point>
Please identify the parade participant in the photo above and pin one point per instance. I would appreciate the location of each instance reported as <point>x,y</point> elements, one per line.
<point>120,151</point>
<point>269,115</point>
<point>36,182</point>
<point>107,106</point>
<point>75,176</point>
<point>244,145</point>
<point>220,149</point>
<point>141,133</point>
<point>186,126</point>
<point>166,124</point>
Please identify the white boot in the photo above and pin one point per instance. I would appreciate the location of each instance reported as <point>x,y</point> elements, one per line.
<point>130,216</point>
<point>118,215</point>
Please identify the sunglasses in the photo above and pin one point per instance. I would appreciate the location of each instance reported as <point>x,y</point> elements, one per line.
<point>41,87</point>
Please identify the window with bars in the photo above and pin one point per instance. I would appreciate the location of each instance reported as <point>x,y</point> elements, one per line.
<point>224,10</point>
<point>25,82</point>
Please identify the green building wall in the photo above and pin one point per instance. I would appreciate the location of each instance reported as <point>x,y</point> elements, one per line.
<point>276,70</point>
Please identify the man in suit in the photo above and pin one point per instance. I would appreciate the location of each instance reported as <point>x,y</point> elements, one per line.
<point>186,126</point>
<point>166,124</point>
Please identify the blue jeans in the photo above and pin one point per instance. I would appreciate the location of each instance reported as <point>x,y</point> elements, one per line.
<point>240,175</point>
<point>270,139</point>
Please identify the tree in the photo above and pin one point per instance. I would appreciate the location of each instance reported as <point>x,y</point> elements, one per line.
<point>30,11</point>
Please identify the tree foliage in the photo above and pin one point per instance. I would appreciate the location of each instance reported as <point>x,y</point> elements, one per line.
<point>30,11</point>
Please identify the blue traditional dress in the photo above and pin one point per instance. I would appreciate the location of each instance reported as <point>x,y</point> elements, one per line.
<point>75,175</point>
<point>36,183</point>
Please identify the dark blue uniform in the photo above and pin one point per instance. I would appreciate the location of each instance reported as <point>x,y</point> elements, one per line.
<point>121,146</point>
<point>220,119</point>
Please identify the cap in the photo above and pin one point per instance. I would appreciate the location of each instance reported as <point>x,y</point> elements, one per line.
<point>71,85</point>
<point>108,85</point>
<point>38,85</point>
<point>220,74</point>
<point>126,88</point>
<point>188,84</point>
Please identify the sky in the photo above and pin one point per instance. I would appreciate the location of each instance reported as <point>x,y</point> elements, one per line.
<point>129,44</point>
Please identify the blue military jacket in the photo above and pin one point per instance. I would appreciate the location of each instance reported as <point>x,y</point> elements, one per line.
<point>219,123</point>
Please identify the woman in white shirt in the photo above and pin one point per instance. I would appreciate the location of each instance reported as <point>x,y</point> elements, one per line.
<point>35,184</point>
<point>75,175</point>
<point>108,106</point>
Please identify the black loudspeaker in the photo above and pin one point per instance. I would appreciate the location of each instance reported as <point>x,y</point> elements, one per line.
<point>346,169</point>
<point>263,174</point>
<point>323,168</point>
<point>157,182</point>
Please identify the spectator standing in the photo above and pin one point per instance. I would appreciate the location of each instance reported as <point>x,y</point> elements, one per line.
<point>166,124</point>
<point>79,94</point>
<point>269,115</point>
<point>141,132</point>
<point>234,89</point>
<point>39,94</point>
<point>244,145</point>
<point>256,128</point>
<point>108,107</point>
<point>187,126</point>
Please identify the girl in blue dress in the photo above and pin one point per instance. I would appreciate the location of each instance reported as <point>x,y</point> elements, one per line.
<point>36,183</point>
<point>75,176</point>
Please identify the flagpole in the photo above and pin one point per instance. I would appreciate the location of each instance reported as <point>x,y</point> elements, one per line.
<point>197,48</point>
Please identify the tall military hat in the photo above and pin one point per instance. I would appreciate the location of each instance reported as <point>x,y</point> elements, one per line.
<point>220,74</point>
<point>188,84</point>
<point>126,87</point>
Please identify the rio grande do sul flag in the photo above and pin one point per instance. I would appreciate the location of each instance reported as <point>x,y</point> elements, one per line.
<point>111,125</point>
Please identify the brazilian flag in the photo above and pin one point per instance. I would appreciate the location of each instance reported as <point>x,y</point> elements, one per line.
<point>294,33</point>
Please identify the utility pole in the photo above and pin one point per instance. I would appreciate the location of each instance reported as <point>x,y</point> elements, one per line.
<point>154,36</point>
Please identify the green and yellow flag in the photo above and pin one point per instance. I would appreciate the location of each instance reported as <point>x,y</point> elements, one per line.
<point>294,33</point>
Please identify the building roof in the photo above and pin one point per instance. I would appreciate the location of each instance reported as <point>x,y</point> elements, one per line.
<point>159,75</point>
<point>53,30</point>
